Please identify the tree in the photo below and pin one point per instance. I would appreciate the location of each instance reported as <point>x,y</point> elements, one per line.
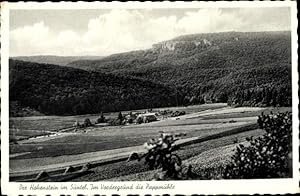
<point>87,123</point>
<point>120,116</point>
<point>101,119</point>
<point>268,156</point>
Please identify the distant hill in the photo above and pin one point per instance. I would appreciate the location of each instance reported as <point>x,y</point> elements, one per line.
<point>239,68</point>
<point>58,90</point>
<point>57,60</point>
<point>250,69</point>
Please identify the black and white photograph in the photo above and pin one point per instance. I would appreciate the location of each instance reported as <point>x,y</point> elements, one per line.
<point>134,94</point>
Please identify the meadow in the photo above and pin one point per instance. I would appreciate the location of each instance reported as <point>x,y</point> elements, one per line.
<point>114,137</point>
<point>201,121</point>
<point>33,124</point>
<point>192,154</point>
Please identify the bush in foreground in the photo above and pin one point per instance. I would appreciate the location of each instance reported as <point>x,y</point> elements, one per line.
<point>267,156</point>
<point>161,156</point>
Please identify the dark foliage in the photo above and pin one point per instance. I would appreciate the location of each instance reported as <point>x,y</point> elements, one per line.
<point>160,155</point>
<point>268,156</point>
<point>177,113</point>
<point>87,122</point>
<point>101,119</point>
<point>120,116</point>
<point>276,94</point>
<point>252,69</point>
<point>58,90</point>
<point>116,122</point>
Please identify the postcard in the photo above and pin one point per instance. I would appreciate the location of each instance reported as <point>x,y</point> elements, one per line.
<point>156,98</point>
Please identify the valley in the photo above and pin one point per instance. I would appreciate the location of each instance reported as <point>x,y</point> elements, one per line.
<point>90,112</point>
<point>99,144</point>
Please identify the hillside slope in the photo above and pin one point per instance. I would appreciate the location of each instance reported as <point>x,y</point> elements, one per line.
<point>52,59</point>
<point>52,89</point>
<point>238,68</point>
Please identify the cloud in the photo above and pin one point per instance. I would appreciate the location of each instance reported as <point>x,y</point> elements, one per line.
<point>37,39</point>
<point>124,30</point>
<point>208,20</point>
<point>117,29</point>
<point>28,38</point>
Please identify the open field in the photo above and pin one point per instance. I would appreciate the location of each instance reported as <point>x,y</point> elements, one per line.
<point>25,134</point>
<point>53,123</point>
<point>135,170</point>
<point>244,114</point>
<point>101,142</point>
<point>106,138</point>
<point>46,163</point>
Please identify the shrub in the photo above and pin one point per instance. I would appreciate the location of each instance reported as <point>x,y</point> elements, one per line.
<point>120,116</point>
<point>139,120</point>
<point>101,119</point>
<point>87,123</point>
<point>267,156</point>
<point>120,120</point>
<point>116,122</point>
<point>177,113</point>
<point>160,156</point>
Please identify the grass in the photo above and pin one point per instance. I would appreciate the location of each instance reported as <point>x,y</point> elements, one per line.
<point>138,171</point>
<point>26,134</point>
<point>101,139</point>
<point>42,162</point>
<point>98,139</point>
<point>53,123</point>
<point>30,133</point>
<point>249,114</point>
<point>107,138</point>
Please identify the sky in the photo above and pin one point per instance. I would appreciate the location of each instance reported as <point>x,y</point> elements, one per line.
<point>103,32</point>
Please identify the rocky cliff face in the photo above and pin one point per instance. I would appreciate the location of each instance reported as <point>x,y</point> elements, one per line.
<point>174,45</point>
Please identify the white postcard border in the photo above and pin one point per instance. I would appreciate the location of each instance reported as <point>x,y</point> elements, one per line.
<point>269,186</point>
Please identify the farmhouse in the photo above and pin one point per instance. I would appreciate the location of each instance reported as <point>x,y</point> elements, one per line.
<point>147,117</point>
<point>131,117</point>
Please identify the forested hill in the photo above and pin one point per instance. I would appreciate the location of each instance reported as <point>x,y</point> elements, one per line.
<point>252,69</point>
<point>57,60</point>
<point>52,89</point>
<point>239,68</point>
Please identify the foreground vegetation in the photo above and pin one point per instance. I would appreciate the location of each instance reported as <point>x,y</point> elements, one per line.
<point>267,156</point>
<point>139,170</point>
<point>260,153</point>
<point>96,142</point>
